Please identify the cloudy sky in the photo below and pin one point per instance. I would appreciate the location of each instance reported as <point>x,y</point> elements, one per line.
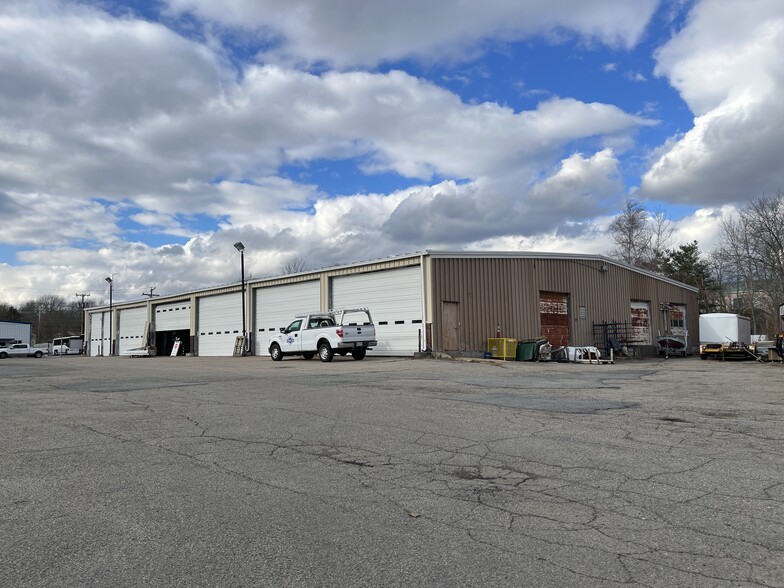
<point>142,138</point>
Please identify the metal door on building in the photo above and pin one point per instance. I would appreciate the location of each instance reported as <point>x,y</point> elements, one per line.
<point>131,328</point>
<point>219,322</point>
<point>678,325</point>
<point>554,317</point>
<point>172,325</point>
<point>450,326</point>
<point>641,323</point>
<point>99,333</point>
<point>275,307</point>
<point>394,298</point>
<point>173,317</point>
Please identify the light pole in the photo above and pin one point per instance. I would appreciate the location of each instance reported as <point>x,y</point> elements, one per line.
<point>241,248</point>
<point>111,340</point>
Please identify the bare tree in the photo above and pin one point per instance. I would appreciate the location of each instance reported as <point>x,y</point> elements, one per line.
<point>721,267</point>
<point>294,266</point>
<point>631,234</point>
<point>52,316</point>
<point>661,230</point>
<point>754,245</point>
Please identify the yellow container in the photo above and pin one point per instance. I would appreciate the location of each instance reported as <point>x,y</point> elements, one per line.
<point>502,348</point>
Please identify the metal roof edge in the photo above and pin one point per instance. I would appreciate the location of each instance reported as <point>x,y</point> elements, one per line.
<point>545,255</point>
<point>305,273</point>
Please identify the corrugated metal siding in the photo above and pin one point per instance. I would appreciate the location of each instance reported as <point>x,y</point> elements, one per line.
<point>504,292</point>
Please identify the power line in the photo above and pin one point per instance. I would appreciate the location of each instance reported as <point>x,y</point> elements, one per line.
<point>150,294</point>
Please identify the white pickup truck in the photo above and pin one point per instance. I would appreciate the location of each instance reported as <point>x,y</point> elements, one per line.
<point>326,333</point>
<point>21,350</point>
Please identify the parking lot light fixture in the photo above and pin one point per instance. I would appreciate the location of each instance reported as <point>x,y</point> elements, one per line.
<point>241,248</point>
<point>111,338</point>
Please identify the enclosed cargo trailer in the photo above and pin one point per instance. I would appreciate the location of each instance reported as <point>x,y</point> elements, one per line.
<point>725,335</point>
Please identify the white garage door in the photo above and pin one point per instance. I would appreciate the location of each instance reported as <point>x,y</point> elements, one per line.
<point>175,316</point>
<point>131,330</point>
<point>394,298</point>
<point>276,306</point>
<point>219,323</point>
<point>99,334</point>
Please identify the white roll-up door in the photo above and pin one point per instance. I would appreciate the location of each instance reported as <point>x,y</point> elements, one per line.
<point>175,316</point>
<point>276,306</point>
<point>131,328</point>
<point>99,334</point>
<point>219,323</point>
<point>394,298</point>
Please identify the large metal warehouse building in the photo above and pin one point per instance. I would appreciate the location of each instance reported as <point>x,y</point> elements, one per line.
<point>439,301</point>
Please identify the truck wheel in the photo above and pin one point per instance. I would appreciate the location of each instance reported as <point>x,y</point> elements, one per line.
<point>3,355</point>
<point>275,353</point>
<point>703,356</point>
<point>308,355</point>
<point>39,354</point>
<point>358,354</point>
<point>325,352</point>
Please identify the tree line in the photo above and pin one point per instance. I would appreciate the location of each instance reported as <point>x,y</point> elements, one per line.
<point>744,274</point>
<point>50,315</point>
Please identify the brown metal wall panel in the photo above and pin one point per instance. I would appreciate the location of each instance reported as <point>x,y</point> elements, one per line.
<point>505,291</point>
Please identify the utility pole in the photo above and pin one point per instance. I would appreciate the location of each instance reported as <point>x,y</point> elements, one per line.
<point>82,296</point>
<point>150,294</point>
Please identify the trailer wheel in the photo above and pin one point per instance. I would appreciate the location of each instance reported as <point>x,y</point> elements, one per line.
<point>703,356</point>
<point>359,353</point>
<point>325,352</point>
<point>275,352</point>
<point>308,355</point>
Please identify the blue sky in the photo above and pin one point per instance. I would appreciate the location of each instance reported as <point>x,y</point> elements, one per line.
<point>143,138</point>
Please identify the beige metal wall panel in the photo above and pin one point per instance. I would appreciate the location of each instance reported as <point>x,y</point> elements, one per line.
<point>489,293</point>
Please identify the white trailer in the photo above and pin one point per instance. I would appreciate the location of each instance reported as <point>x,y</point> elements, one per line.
<point>724,327</point>
<point>723,334</point>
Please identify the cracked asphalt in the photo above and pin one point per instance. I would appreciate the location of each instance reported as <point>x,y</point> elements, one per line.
<point>390,472</point>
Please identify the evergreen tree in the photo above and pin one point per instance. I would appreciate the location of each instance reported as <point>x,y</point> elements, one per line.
<point>687,265</point>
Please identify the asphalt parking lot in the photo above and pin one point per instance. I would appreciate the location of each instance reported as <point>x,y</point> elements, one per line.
<point>390,472</point>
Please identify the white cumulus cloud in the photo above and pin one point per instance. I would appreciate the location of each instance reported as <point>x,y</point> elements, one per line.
<point>726,63</point>
<point>349,33</point>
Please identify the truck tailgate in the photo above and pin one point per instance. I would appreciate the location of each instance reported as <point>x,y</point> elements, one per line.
<point>352,333</point>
